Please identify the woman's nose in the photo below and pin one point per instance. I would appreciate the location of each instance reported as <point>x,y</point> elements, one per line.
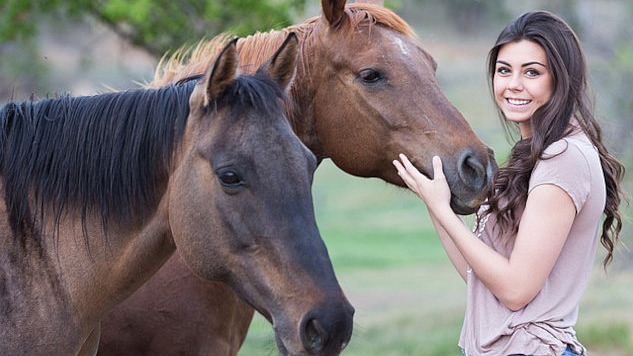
<point>515,83</point>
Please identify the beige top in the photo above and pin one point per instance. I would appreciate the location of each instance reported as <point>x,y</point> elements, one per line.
<point>545,326</point>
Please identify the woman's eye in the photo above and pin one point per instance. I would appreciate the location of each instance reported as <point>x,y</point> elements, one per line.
<point>230,179</point>
<point>532,72</point>
<point>370,76</point>
<point>503,70</point>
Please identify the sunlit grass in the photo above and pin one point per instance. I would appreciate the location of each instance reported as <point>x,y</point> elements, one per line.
<point>391,266</point>
<point>614,336</point>
<point>409,300</point>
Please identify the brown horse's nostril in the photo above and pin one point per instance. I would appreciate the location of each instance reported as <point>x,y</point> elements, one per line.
<point>314,337</point>
<point>472,171</point>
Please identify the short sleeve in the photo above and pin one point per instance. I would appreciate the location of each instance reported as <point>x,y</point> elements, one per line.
<point>565,166</point>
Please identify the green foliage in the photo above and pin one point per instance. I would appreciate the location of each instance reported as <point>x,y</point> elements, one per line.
<point>21,71</point>
<point>14,19</point>
<point>155,25</point>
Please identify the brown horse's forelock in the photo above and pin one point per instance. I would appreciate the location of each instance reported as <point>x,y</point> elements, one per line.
<point>100,154</point>
<point>360,13</point>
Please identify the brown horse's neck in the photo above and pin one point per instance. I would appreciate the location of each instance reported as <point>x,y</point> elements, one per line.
<point>255,49</point>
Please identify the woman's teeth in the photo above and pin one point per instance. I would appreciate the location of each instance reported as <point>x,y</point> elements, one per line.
<point>518,101</point>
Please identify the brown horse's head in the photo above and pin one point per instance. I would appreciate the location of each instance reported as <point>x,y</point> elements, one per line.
<point>376,95</point>
<point>240,205</point>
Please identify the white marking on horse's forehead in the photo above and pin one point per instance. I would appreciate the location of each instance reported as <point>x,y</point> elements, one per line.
<point>403,49</point>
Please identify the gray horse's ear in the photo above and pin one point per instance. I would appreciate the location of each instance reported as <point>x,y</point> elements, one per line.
<point>222,73</point>
<point>334,11</point>
<point>282,65</point>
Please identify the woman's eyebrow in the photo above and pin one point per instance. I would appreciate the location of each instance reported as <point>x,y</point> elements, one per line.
<point>532,63</point>
<point>527,64</point>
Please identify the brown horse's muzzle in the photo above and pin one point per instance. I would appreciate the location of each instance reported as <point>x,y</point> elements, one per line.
<point>471,181</point>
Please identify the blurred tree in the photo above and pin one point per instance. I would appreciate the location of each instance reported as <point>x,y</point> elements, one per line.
<point>20,70</point>
<point>472,15</point>
<point>614,84</point>
<point>154,25</point>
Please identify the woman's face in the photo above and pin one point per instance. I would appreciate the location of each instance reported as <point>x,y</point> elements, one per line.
<point>522,82</point>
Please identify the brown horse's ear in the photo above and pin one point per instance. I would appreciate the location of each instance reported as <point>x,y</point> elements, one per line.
<point>222,73</point>
<point>334,11</point>
<point>281,66</point>
<point>373,2</point>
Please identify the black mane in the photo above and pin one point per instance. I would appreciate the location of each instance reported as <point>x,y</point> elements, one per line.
<point>103,153</point>
<point>106,154</point>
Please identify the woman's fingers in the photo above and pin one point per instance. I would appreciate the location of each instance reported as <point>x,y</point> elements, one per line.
<point>406,177</point>
<point>398,166</point>
<point>406,163</point>
<point>410,168</point>
<point>438,172</point>
<point>432,191</point>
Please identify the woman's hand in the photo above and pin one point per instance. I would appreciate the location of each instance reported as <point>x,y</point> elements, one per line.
<point>434,192</point>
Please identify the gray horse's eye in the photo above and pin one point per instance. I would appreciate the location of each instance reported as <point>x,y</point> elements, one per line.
<point>229,178</point>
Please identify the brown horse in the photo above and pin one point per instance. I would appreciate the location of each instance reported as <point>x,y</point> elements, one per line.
<point>99,191</point>
<point>365,91</point>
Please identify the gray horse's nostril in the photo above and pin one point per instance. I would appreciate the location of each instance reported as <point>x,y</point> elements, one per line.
<point>314,336</point>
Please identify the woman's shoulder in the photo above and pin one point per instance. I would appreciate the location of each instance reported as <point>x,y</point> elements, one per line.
<point>565,158</point>
<point>575,147</point>
<point>569,163</point>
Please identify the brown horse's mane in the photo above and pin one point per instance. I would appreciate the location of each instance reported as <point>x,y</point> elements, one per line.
<point>255,49</point>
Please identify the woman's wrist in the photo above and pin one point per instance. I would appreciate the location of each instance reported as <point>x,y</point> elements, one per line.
<point>444,214</point>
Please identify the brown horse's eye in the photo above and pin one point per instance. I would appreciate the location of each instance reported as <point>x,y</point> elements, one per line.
<point>370,76</point>
<point>230,179</point>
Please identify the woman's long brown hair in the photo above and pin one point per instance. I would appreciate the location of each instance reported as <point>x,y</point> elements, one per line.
<point>550,123</point>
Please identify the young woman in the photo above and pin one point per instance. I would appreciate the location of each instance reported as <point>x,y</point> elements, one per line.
<point>528,262</point>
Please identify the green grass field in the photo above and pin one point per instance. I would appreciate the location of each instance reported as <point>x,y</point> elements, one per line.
<point>408,298</point>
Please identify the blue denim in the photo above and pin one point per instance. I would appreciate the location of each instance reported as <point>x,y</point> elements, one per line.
<point>567,352</point>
